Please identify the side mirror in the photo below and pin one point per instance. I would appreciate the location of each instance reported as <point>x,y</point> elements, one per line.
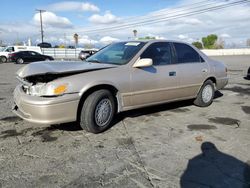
<point>145,62</point>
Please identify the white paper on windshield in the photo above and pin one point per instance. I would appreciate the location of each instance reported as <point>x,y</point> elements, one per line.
<point>132,43</point>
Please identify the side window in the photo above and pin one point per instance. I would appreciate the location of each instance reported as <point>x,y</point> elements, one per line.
<point>10,49</point>
<point>186,54</point>
<point>159,52</point>
<point>32,53</point>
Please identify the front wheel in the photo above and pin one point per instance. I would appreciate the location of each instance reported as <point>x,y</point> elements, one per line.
<point>206,94</point>
<point>3,59</point>
<point>97,111</point>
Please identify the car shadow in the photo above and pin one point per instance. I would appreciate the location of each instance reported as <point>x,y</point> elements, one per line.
<point>212,168</point>
<point>152,110</point>
<point>74,126</point>
<point>71,127</point>
<point>217,94</point>
<point>246,78</point>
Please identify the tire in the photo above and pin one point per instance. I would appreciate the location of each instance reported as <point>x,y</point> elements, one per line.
<point>19,61</point>
<point>92,106</point>
<point>3,59</point>
<point>206,94</point>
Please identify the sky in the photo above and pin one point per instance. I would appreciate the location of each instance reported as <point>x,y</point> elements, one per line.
<point>94,21</point>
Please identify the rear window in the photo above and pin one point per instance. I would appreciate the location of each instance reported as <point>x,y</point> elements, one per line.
<point>186,54</point>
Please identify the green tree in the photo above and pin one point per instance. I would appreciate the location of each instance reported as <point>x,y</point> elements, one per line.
<point>147,38</point>
<point>209,41</point>
<point>61,46</point>
<point>197,44</point>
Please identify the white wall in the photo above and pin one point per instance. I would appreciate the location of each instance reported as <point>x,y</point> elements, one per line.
<point>224,52</point>
<point>66,53</point>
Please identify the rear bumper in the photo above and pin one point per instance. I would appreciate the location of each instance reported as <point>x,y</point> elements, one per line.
<point>221,82</point>
<point>43,110</point>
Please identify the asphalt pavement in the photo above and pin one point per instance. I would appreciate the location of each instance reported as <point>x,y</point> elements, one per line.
<point>172,145</point>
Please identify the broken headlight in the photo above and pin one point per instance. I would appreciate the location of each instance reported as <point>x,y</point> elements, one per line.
<point>47,89</point>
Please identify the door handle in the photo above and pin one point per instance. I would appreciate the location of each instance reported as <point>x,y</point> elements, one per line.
<point>204,70</point>
<point>172,73</point>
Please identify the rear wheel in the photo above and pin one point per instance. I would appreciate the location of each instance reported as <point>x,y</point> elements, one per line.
<point>19,61</point>
<point>206,94</point>
<point>97,111</point>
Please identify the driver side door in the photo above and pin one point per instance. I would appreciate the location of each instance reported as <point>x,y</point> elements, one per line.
<point>157,83</point>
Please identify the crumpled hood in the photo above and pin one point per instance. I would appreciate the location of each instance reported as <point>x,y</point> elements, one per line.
<point>59,67</point>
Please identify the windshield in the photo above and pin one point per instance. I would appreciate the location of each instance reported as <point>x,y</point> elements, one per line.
<point>2,49</point>
<point>118,53</point>
<point>8,49</point>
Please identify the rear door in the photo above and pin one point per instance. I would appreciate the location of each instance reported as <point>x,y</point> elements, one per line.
<point>192,68</point>
<point>155,84</point>
<point>34,56</point>
<point>25,55</point>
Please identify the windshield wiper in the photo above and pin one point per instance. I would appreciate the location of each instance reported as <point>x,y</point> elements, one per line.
<point>94,61</point>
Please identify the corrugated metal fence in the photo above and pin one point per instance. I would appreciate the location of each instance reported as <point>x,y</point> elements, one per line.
<point>62,53</point>
<point>72,54</point>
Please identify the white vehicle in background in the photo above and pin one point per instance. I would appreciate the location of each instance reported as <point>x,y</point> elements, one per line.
<point>11,49</point>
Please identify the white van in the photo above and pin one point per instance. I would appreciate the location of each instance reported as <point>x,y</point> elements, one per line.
<point>11,49</point>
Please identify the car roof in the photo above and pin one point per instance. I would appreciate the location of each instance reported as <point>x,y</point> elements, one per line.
<point>26,51</point>
<point>155,40</point>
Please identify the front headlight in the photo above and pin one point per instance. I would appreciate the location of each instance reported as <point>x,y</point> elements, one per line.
<point>49,89</point>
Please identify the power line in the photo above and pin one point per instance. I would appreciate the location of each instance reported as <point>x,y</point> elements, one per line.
<point>158,14</point>
<point>167,18</point>
<point>175,10</point>
<point>41,22</point>
<point>197,8</point>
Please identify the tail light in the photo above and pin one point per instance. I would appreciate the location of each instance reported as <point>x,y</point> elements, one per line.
<point>11,55</point>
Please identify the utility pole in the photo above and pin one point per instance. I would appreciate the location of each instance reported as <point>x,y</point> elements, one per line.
<point>41,22</point>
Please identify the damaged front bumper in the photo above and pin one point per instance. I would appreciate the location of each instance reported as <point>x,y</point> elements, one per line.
<point>45,110</point>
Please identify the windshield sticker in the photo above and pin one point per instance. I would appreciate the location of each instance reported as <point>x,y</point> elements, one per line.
<point>132,44</point>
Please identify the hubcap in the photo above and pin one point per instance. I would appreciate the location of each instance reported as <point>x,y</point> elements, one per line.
<point>103,112</point>
<point>207,93</point>
<point>20,61</point>
<point>3,59</point>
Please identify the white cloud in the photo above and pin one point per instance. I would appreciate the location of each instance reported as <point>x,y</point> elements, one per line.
<point>69,40</point>
<point>192,21</point>
<point>185,38</point>
<point>225,35</point>
<point>86,40</point>
<point>233,28</point>
<point>73,6</point>
<point>107,40</point>
<point>51,19</point>
<point>107,18</point>
<point>156,36</point>
<point>181,37</point>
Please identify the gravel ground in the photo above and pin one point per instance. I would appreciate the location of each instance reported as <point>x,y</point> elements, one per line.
<point>172,145</point>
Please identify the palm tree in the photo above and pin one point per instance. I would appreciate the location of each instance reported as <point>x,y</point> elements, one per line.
<point>135,33</point>
<point>76,39</point>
